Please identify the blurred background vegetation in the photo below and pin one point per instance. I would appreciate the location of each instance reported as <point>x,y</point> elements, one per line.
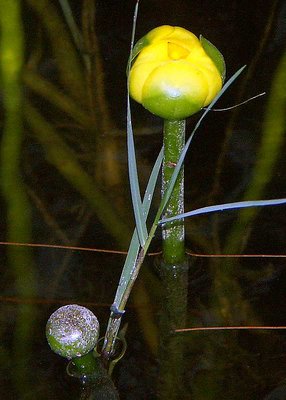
<point>64,181</point>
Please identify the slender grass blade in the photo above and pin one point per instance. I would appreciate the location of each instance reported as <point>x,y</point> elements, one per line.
<point>76,34</point>
<point>134,247</point>
<point>132,164</point>
<point>226,206</point>
<point>134,182</point>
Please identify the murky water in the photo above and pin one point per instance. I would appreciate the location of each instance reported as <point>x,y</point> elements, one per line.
<point>235,154</point>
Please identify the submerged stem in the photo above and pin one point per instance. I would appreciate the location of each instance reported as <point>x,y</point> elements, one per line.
<point>174,268</point>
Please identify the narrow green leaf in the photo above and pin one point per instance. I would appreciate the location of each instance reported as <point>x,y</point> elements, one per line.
<point>126,273</point>
<point>134,247</point>
<point>76,34</point>
<point>226,206</point>
<point>134,182</point>
<point>149,192</point>
<point>132,47</point>
<point>140,44</point>
<point>132,164</point>
<point>143,42</point>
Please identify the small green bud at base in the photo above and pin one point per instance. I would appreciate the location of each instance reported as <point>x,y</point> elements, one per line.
<point>72,331</point>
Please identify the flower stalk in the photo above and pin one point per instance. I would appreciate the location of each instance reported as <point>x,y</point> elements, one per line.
<point>174,266</point>
<point>173,74</point>
<point>173,233</point>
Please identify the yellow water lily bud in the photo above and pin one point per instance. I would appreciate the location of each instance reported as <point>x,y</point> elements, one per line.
<point>173,73</point>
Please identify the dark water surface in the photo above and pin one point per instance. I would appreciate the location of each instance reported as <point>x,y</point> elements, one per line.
<point>227,161</point>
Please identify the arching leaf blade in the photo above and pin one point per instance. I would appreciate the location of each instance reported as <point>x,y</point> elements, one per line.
<point>226,206</point>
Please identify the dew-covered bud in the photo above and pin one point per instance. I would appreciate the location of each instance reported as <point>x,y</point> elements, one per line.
<point>72,331</point>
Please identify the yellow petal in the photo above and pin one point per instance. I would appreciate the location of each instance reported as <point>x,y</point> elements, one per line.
<point>173,34</point>
<point>184,38</point>
<point>159,33</point>
<point>157,52</point>
<point>138,75</point>
<point>200,59</point>
<point>176,52</point>
<point>214,80</point>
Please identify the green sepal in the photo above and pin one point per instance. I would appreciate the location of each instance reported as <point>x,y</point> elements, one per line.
<point>215,55</point>
<point>143,42</point>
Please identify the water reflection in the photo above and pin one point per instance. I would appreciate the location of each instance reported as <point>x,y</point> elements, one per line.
<point>76,179</point>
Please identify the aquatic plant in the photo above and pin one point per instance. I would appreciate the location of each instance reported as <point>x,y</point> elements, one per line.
<point>146,87</point>
<point>88,113</point>
<point>141,238</point>
<point>72,331</point>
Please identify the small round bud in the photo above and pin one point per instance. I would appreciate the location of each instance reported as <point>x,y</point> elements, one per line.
<point>72,331</point>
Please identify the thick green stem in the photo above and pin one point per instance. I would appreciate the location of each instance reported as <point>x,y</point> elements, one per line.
<point>96,383</point>
<point>173,314</point>
<point>173,232</point>
<point>174,269</point>
<point>173,247</point>
<point>84,365</point>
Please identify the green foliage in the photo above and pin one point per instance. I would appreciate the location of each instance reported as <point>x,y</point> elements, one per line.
<point>215,55</point>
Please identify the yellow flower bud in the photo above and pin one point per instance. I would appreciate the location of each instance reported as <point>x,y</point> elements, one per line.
<point>173,73</point>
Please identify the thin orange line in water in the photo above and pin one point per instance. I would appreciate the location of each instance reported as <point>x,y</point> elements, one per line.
<point>58,246</point>
<point>16,300</point>
<point>77,248</point>
<point>227,328</point>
